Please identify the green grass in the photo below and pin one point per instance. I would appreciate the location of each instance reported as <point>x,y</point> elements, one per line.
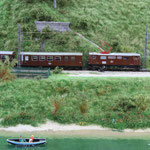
<point>77,100</point>
<point>119,22</point>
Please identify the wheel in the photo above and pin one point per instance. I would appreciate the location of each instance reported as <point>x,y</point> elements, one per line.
<point>101,69</point>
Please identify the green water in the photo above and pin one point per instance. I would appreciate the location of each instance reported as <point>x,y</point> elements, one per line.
<point>83,144</point>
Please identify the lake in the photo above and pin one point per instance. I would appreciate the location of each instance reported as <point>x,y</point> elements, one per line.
<point>83,144</point>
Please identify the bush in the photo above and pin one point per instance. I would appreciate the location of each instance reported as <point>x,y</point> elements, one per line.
<point>5,69</point>
<point>56,105</point>
<point>83,107</point>
<point>22,117</point>
<point>30,1</point>
<point>57,70</point>
<point>64,3</point>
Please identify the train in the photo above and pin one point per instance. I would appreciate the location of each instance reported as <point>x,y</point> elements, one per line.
<point>67,60</point>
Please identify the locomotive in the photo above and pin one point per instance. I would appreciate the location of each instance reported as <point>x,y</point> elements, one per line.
<point>96,61</point>
<point>113,61</point>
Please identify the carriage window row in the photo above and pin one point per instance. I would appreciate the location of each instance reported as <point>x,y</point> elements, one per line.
<point>49,58</point>
<point>112,57</point>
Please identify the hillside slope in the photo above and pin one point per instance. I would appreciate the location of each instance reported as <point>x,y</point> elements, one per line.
<point>119,22</point>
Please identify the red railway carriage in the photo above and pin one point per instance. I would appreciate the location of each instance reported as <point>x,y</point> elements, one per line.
<point>114,61</point>
<point>51,59</point>
<point>10,54</point>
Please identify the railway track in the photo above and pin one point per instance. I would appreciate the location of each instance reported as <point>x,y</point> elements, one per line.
<point>144,71</point>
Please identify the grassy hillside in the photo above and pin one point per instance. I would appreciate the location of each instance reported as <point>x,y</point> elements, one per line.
<point>77,100</point>
<point>120,22</point>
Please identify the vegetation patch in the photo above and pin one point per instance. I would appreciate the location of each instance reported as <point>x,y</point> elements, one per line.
<point>57,70</point>
<point>81,101</point>
<point>5,69</point>
<point>120,23</point>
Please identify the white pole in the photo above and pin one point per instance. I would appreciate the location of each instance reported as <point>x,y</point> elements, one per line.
<point>145,48</point>
<point>19,44</point>
<point>54,4</point>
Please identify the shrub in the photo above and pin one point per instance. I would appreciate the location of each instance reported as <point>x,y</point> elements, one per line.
<point>125,104</point>
<point>5,69</point>
<point>83,107</point>
<point>64,3</point>
<point>16,118</point>
<point>81,23</point>
<point>27,1</point>
<point>57,70</point>
<point>56,105</point>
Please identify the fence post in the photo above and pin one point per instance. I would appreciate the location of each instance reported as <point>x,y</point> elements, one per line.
<point>42,45</point>
<point>145,48</point>
<point>48,73</point>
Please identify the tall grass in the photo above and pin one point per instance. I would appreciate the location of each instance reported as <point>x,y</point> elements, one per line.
<point>5,69</point>
<point>77,100</point>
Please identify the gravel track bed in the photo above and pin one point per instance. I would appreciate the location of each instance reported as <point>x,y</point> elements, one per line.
<point>80,73</point>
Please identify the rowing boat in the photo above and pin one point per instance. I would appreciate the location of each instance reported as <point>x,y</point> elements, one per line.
<point>26,143</point>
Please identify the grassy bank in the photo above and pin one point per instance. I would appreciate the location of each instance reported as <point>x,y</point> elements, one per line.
<point>77,100</point>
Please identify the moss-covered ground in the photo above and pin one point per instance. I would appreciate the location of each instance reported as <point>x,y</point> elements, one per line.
<point>77,100</point>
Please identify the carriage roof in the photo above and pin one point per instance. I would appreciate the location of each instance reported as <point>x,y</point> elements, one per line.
<point>115,54</point>
<point>52,53</point>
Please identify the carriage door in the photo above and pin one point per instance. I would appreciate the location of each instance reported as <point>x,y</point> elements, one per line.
<point>136,60</point>
<point>66,60</point>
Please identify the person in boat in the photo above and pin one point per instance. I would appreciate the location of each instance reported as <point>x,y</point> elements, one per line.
<point>31,139</point>
<point>21,139</point>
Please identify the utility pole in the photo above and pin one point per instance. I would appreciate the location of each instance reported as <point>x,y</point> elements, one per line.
<point>54,4</point>
<point>19,44</point>
<point>146,52</point>
<point>145,49</point>
<point>42,45</point>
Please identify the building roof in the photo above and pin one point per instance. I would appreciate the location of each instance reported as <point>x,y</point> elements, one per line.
<point>6,52</point>
<point>56,26</point>
<point>52,53</point>
<point>115,54</point>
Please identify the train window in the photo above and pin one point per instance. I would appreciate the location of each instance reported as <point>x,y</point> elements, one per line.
<point>34,58</point>
<point>3,57</point>
<point>73,58</point>
<point>49,58</point>
<point>125,58</point>
<point>111,57</point>
<point>103,57</point>
<point>119,57</point>
<point>135,58</point>
<point>58,58</point>
<point>66,58</point>
<point>93,57</point>
<point>104,62</point>
<point>26,58</point>
<point>42,58</point>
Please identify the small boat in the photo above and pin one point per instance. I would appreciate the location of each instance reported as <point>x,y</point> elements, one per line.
<point>26,143</point>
